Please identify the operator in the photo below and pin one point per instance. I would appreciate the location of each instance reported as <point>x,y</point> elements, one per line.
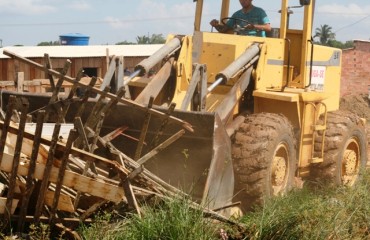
<point>256,21</point>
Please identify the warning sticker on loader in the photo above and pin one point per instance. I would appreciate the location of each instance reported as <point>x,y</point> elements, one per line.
<point>318,78</point>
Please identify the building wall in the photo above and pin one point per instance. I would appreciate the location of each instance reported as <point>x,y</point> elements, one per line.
<point>356,69</point>
<point>10,67</point>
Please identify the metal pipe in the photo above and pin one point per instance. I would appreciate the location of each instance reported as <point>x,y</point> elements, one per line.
<point>239,63</point>
<point>168,49</point>
<point>215,84</point>
<point>132,75</point>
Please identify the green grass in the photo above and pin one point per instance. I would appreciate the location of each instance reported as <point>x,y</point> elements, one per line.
<point>308,213</point>
<point>174,219</point>
<point>314,213</point>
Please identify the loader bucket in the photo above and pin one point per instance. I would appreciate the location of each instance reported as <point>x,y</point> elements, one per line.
<point>198,163</point>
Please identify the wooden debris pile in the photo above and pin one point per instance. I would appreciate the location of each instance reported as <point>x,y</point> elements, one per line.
<point>61,181</point>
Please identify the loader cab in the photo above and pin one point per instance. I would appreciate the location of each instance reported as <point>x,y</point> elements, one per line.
<point>297,43</point>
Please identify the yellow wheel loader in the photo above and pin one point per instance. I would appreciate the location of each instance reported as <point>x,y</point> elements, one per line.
<point>265,111</point>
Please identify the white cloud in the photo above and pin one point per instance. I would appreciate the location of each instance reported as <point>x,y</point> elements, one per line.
<point>347,20</point>
<point>117,23</point>
<point>80,5</point>
<point>344,11</point>
<point>26,7</point>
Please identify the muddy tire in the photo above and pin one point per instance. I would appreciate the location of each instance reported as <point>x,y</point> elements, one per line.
<point>264,158</point>
<point>345,149</point>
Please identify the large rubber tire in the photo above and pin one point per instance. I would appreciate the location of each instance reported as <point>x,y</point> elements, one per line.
<point>264,158</point>
<point>345,149</point>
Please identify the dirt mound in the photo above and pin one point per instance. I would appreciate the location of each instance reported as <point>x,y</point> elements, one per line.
<point>359,104</point>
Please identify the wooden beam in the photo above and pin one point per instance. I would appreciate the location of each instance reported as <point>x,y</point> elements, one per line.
<point>72,180</point>
<point>31,170</point>
<point>133,104</point>
<point>17,155</point>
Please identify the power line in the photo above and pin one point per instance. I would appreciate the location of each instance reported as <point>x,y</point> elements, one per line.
<point>352,24</point>
<point>94,22</point>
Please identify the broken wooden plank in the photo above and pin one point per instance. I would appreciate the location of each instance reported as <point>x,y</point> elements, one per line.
<point>72,92</point>
<point>72,180</point>
<point>48,65</point>
<point>55,95</point>
<point>131,103</point>
<point>17,154</point>
<point>47,172</point>
<point>4,209</point>
<point>131,200</point>
<point>72,136</point>
<point>109,74</point>
<point>86,96</point>
<point>64,201</point>
<point>92,209</point>
<point>5,125</point>
<point>143,131</point>
<point>163,125</point>
<point>61,147</point>
<point>31,170</point>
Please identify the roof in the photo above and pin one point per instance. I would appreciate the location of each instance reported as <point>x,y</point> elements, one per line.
<point>360,40</point>
<point>67,51</point>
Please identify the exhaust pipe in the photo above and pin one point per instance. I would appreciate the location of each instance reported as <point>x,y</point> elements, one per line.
<point>169,48</point>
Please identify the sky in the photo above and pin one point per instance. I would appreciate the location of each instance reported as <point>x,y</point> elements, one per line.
<point>29,22</point>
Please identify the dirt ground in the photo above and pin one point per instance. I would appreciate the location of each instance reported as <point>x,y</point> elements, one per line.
<point>359,104</point>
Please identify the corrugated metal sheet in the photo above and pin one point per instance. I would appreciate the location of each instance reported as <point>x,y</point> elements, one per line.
<point>83,51</point>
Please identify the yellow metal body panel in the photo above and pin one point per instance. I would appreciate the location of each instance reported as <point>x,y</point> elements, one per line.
<point>292,76</point>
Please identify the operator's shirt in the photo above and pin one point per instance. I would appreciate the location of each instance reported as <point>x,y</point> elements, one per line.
<point>256,16</point>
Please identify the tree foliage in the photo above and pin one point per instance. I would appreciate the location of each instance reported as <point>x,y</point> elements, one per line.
<point>145,39</point>
<point>125,43</point>
<point>154,39</point>
<point>324,33</point>
<point>51,43</point>
<point>327,38</point>
<point>338,44</point>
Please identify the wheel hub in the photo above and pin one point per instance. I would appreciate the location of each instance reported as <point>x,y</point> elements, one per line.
<point>350,162</point>
<point>278,171</point>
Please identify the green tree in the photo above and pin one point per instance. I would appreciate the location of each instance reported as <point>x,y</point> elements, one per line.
<point>338,44</point>
<point>125,43</point>
<point>324,33</point>
<point>154,39</point>
<point>51,43</point>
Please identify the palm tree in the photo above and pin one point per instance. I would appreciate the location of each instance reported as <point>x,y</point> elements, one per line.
<point>324,33</point>
<point>154,39</point>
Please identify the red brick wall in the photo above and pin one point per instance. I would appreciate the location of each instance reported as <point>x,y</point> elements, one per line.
<point>356,69</point>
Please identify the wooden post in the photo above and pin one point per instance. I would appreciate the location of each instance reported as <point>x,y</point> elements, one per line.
<point>55,95</point>
<point>49,66</point>
<point>73,91</point>
<point>86,96</point>
<point>4,131</point>
<point>48,166</point>
<point>71,137</point>
<point>20,81</point>
<point>144,131</point>
<point>133,104</point>
<point>163,125</point>
<point>17,155</point>
<point>31,170</point>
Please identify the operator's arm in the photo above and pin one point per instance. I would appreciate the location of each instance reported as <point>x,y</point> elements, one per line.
<point>219,27</point>
<point>259,27</point>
